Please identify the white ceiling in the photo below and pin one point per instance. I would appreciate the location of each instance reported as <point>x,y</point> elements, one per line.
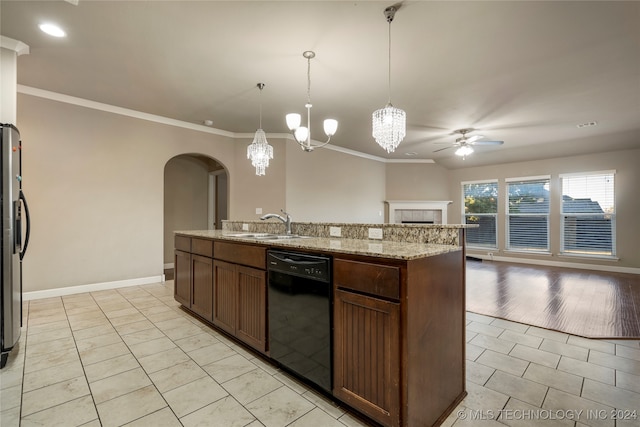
<point>523,72</point>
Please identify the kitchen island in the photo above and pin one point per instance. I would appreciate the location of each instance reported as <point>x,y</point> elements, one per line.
<point>398,307</point>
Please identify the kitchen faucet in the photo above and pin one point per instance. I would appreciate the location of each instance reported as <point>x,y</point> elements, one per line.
<point>286,221</point>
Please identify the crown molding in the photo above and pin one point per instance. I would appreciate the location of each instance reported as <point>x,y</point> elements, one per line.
<point>81,102</point>
<point>15,45</point>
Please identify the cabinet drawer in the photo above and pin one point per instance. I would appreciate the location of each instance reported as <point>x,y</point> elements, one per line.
<point>252,256</point>
<point>374,279</point>
<point>202,247</point>
<point>183,243</point>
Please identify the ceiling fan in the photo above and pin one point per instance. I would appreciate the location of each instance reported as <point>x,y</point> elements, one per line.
<point>466,143</point>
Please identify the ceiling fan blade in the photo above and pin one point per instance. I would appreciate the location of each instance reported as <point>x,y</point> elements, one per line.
<point>474,138</point>
<point>487,143</point>
<point>445,148</point>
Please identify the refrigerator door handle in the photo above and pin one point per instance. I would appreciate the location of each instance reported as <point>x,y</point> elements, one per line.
<point>28,231</point>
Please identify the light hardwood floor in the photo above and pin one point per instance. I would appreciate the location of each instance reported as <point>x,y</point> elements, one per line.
<point>587,303</point>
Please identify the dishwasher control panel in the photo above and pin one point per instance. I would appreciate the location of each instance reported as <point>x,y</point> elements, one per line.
<point>302,265</point>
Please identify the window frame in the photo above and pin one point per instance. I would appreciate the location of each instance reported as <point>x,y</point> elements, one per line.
<point>508,214</point>
<point>487,215</point>
<point>563,216</point>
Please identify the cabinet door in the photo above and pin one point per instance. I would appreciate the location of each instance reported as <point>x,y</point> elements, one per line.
<point>182,278</point>
<point>367,355</point>
<point>202,290</point>
<point>252,302</point>
<point>224,296</point>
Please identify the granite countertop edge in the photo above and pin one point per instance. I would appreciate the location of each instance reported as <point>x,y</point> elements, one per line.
<point>373,248</point>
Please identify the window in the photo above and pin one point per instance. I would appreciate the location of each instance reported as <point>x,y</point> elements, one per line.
<point>528,214</point>
<point>588,214</point>
<point>481,207</point>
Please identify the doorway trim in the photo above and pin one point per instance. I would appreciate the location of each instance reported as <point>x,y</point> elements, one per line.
<point>212,206</point>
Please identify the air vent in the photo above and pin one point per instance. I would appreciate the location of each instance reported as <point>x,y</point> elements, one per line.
<point>586,125</point>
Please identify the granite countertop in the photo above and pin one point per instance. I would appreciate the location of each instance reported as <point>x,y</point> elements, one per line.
<point>374,248</point>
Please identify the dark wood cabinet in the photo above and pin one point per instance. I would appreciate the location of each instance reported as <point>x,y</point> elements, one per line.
<point>240,302</point>
<point>367,355</point>
<point>182,278</point>
<point>398,325</point>
<point>240,292</point>
<point>225,283</point>
<point>202,286</point>
<point>225,298</point>
<point>399,337</point>
<point>252,307</point>
<point>193,280</point>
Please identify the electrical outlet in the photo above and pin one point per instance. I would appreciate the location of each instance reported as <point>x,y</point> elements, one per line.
<point>335,231</point>
<point>258,211</point>
<point>245,227</point>
<point>375,233</point>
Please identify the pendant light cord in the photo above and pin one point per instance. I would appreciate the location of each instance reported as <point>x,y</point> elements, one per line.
<point>308,80</point>
<point>260,108</point>
<point>389,82</point>
<point>260,86</point>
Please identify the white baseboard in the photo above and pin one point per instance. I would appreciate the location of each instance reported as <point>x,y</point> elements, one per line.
<point>49,293</point>
<point>168,266</point>
<point>579,265</point>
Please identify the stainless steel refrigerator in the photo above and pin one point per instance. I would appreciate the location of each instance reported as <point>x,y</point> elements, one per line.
<point>14,212</point>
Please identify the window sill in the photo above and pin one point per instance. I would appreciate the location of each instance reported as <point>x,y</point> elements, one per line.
<point>515,251</point>
<point>585,256</point>
<point>482,248</point>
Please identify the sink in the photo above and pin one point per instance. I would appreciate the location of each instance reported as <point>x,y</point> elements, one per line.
<point>250,235</point>
<point>267,236</point>
<point>282,237</point>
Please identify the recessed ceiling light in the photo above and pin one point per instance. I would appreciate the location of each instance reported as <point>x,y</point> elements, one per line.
<point>586,125</point>
<point>52,30</point>
<point>411,153</point>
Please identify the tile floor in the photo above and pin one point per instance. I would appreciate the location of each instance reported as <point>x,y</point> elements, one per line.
<point>131,357</point>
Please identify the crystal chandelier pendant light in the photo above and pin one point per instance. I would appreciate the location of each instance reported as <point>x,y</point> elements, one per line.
<point>389,123</point>
<point>302,134</point>
<point>259,151</point>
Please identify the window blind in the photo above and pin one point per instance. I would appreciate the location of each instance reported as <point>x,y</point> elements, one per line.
<point>481,208</point>
<point>528,214</point>
<point>588,214</point>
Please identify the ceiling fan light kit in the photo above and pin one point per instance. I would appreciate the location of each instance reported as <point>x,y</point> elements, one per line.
<point>389,124</point>
<point>464,151</point>
<point>465,143</point>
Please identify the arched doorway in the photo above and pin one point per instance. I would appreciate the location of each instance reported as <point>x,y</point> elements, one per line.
<point>195,197</point>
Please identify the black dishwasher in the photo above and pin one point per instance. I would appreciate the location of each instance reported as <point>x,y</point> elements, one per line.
<point>299,310</point>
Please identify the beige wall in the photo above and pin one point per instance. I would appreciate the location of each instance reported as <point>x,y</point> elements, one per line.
<point>330,186</point>
<point>186,196</point>
<point>627,202</point>
<point>267,191</point>
<point>417,181</point>
<point>94,181</point>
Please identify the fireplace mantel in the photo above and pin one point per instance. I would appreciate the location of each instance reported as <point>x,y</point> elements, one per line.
<point>438,207</point>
